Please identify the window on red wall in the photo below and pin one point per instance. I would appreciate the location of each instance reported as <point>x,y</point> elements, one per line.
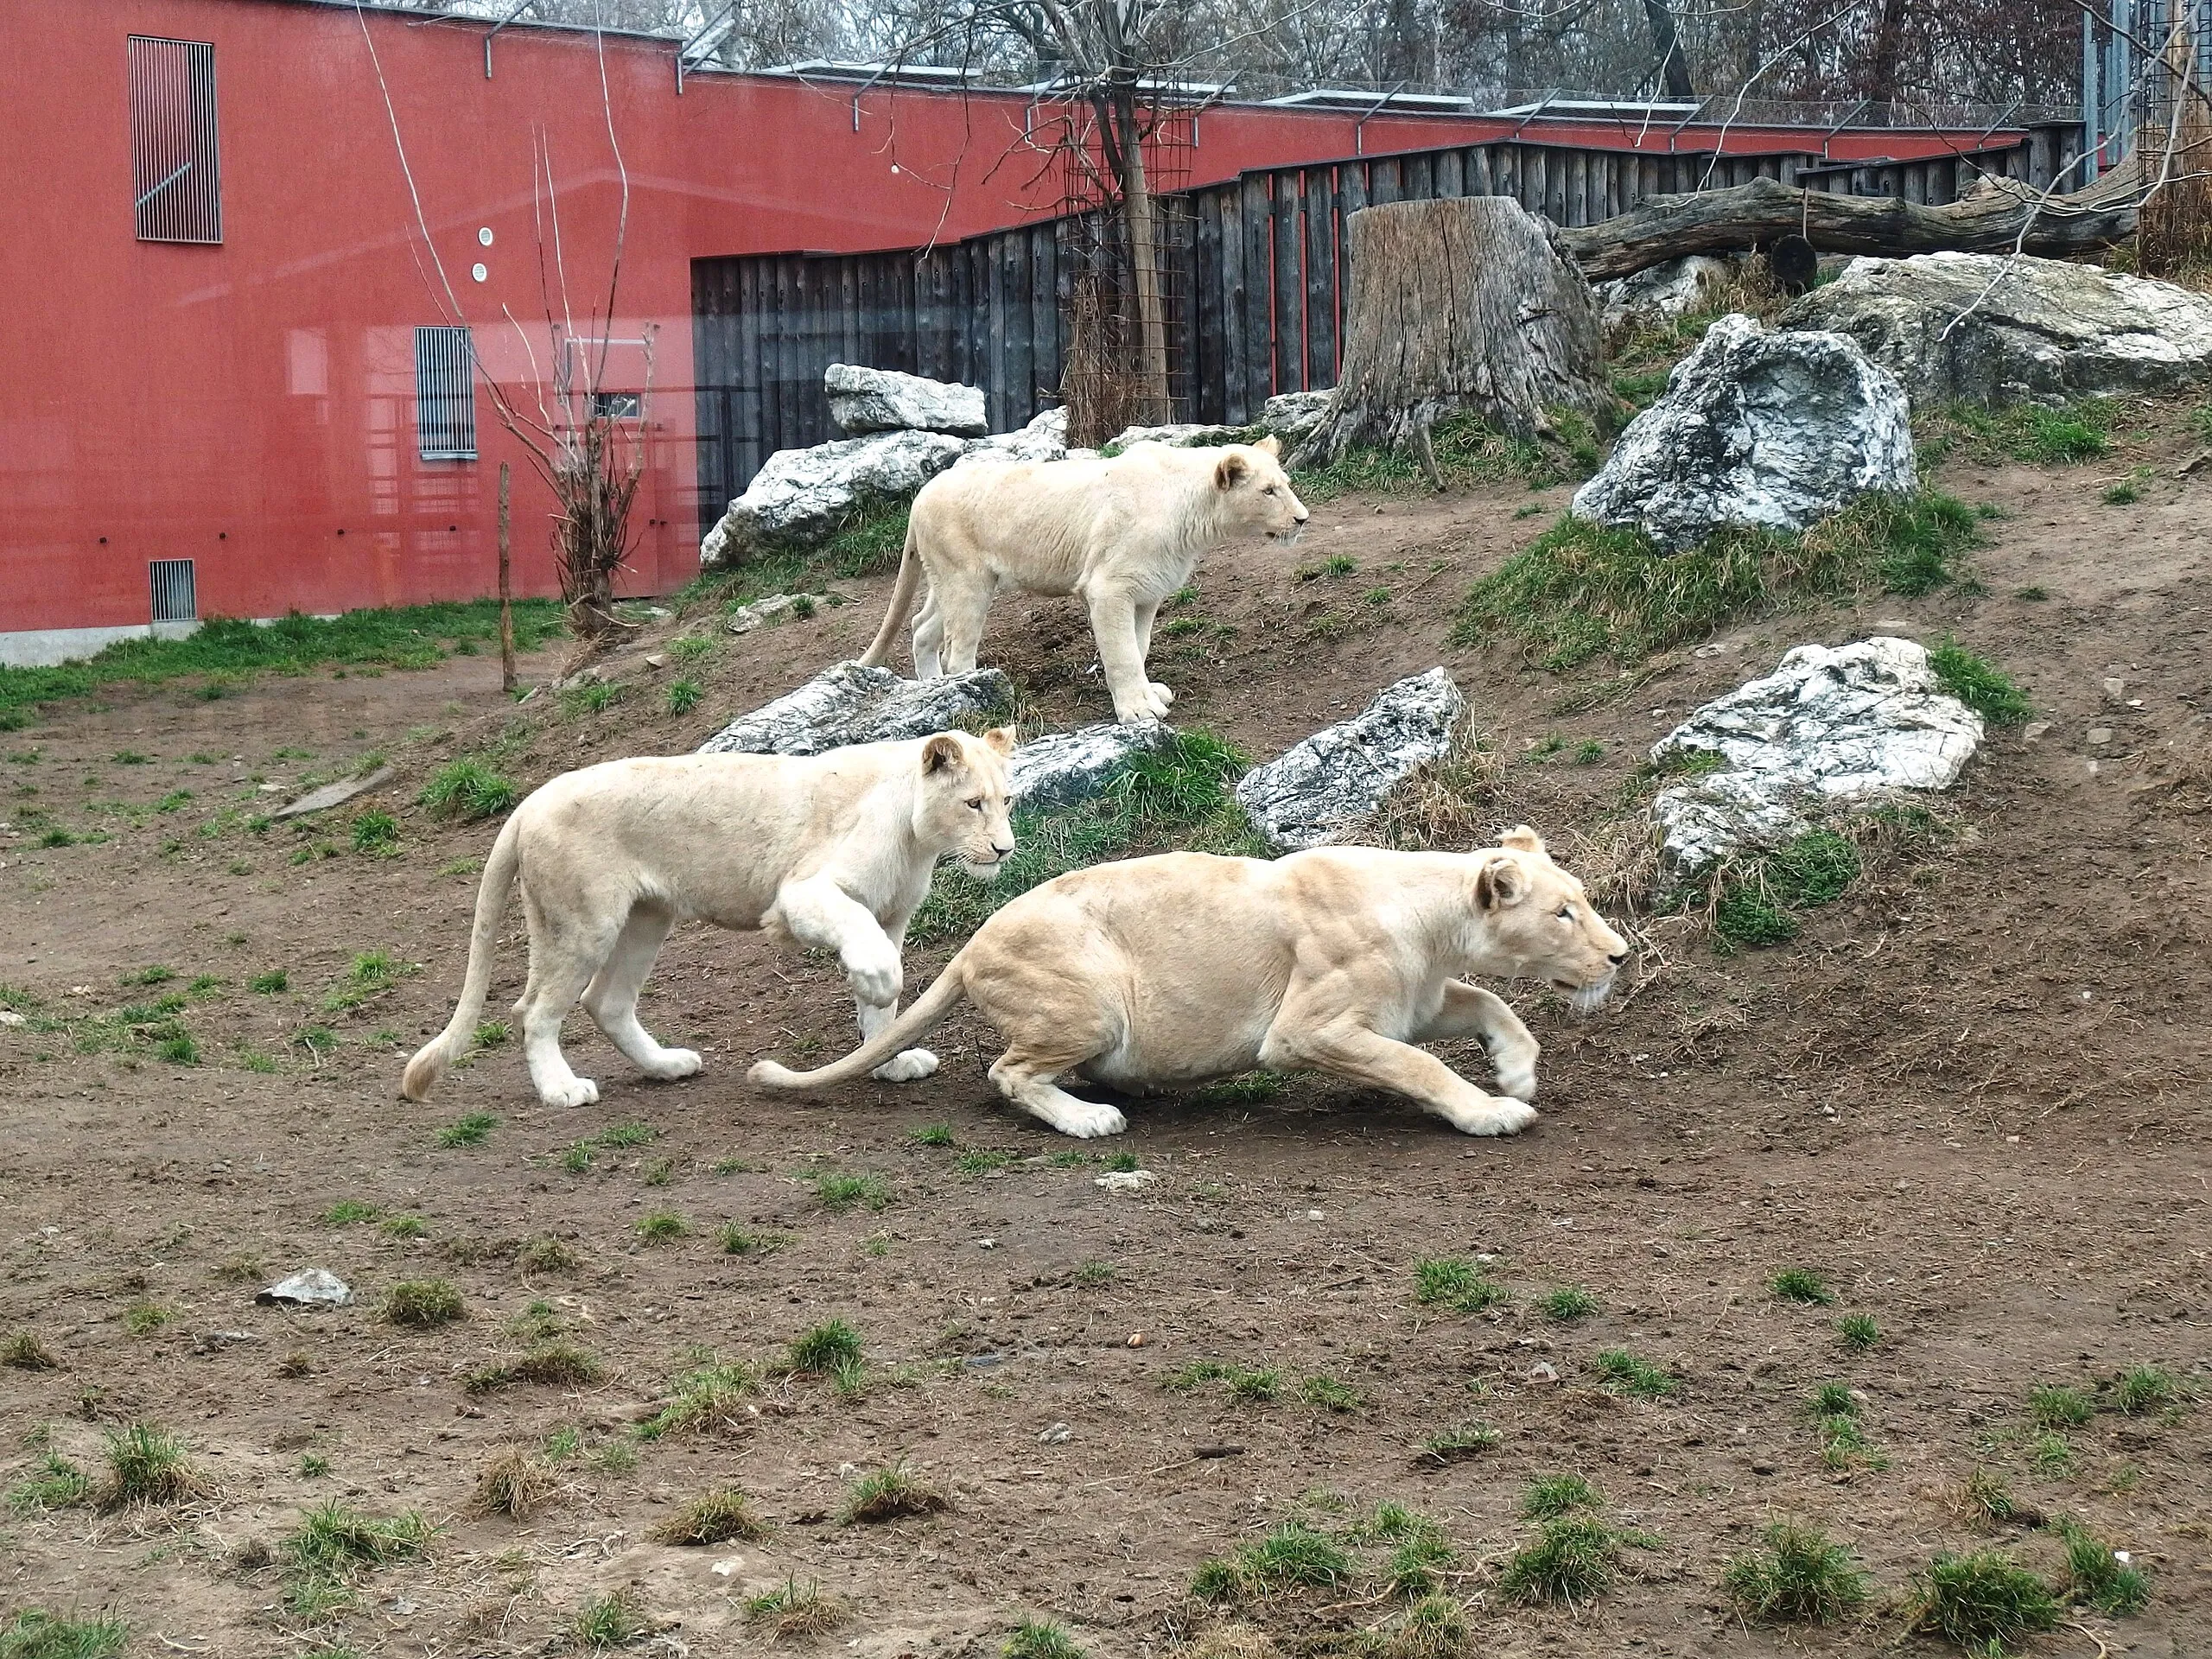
<point>176,183</point>
<point>445,394</point>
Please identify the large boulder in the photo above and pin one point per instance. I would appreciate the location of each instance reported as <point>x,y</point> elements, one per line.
<point>1831,728</point>
<point>852,702</point>
<point>1979,328</point>
<point>1336,778</point>
<point>1064,769</point>
<point>1046,438</point>
<point>884,400</point>
<point>804,496</point>
<point>1770,430</point>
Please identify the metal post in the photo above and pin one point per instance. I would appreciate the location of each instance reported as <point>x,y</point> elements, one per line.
<point>507,596</point>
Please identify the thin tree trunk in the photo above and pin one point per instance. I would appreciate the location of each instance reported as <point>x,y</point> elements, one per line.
<point>506,591</point>
<point>1459,306</point>
<point>1673,67</point>
<point>1140,217</point>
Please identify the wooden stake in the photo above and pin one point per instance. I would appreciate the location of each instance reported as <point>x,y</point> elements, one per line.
<point>506,596</point>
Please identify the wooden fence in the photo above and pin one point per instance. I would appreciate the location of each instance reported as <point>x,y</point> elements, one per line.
<point>1254,285</point>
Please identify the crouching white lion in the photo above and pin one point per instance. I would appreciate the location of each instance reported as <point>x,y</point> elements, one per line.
<point>834,850</point>
<point>1123,534</point>
<point>1169,970</point>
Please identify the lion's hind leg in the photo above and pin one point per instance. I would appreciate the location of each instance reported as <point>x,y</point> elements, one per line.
<point>1025,1078</point>
<point>929,638</point>
<point>612,997</point>
<point>1054,1021</point>
<point>566,951</point>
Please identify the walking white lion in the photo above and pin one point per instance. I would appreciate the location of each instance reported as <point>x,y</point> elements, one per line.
<point>1121,534</point>
<point>834,850</point>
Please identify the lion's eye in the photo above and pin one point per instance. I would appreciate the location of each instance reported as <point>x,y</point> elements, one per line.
<point>1270,490</point>
<point>1567,913</point>
<point>977,803</point>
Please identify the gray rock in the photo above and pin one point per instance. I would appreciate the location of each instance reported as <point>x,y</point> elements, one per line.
<point>311,1287</point>
<point>1831,728</point>
<point>2048,330</point>
<point>1335,777</point>
<point>1068,768</point>
<point>1775,430</point>
<point>1292,414</point>
<point>1045,438</point>
<point>1669,289</point>
<point>1179,436</point>
<point>337,794</point>
<point>884,400</point>
<point>803,496</point>
<point>854,703</point>
<point>761,612</point>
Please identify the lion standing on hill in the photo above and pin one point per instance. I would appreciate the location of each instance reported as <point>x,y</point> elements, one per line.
<point>1121,533</point>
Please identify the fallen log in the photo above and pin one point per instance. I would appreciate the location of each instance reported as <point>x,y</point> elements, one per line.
<point>1987,220</point>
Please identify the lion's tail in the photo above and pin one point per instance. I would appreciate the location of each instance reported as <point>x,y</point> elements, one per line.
<point>929,1009</point>
<point>902,601</point>
<point>442,1050</point>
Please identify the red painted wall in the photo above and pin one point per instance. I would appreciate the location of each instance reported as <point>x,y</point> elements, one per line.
<point>252,406</point>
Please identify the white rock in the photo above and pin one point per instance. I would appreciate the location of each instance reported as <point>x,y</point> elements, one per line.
<point>1292,414</point>
<point>310,1287</point>
<point>1045,438</point>
<point>803,496</point>
<point>884,400</point>
<point>1335,777</point>
<point>1057,1434</point>
<point>760,612</point>
<point>854,703</point>
<point>1182,435</point>
<point>1669,289</point>
<point>2047,330</point>
<point>1125,1180</point>
<point>1066,768</point>
<point>1830,728</point>
<point>1775,430</point>
<point>9,1017</point>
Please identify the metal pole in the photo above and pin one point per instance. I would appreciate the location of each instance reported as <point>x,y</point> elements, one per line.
<point>507,596</point>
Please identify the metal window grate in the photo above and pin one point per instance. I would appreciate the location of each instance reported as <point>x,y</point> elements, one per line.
<point>177,183</point>
<point>445,394</point>
<point>176,596</point>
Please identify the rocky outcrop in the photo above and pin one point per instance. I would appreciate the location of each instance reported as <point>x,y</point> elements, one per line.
<point>1980,328</point>
<point>884,400</point>
<point>1832,727</point>
<point>854,703</point>
<point>1336,777</point>
<point>1045,438</point>
<point>1773,430</point>
<point>1670,288</point>
<point>1066,769</point>
<point>803,496</point>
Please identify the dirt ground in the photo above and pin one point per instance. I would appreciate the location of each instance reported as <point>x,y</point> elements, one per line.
<point>1971,1096</point>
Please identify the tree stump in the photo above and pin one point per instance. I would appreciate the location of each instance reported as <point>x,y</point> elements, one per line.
<point>1461,305</point>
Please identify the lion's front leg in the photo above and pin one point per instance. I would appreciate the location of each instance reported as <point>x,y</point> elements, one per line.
<point>1470,1011</point>
<point>820,913</point>
<point>1343,1045</point>
<point>1113,629</point>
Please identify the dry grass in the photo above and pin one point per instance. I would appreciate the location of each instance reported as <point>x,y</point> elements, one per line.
<point>713,1517</point>
<point>517,1483</point>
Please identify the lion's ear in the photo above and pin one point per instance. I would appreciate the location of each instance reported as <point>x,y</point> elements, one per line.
<point>1270,445</point>
<point>1522,839</point>
<point>1002,738</point>
<point>1500,882</point>
<point>942,753</point>
<point>1232,467</point>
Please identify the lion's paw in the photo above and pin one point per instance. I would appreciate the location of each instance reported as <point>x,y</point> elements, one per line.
<point>1161,696</point>
<point>577,1092</point>
<point>1518,1081</point>
<point>875,982</point>
<point>1087,1121</point>
<point>1495,1117</point>
<point>674,1063</point>
<point>905,1067</point>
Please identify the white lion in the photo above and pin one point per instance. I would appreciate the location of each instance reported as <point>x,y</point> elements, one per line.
<point>834,850</point>
<point>1169,970</point>
<point>1123,534</point>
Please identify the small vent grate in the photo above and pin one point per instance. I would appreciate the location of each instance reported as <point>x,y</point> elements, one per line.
<point>176,597</point>
<point>445,394</point>
<point>176,185</point>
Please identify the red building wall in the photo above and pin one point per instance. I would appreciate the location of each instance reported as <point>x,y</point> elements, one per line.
<point>252,406</point>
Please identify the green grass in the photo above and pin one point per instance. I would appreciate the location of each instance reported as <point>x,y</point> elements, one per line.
<point>1456,1444</point>
<point>622,1136</point>
<point>423,1304</point>
<point>348,1212</point>
<point>1179,796</point>
<point>23,1351</point>
<point>888,1494</point>
<point>871,539</point>
<point>933,1134</point>
<point>1981,1601</point>
<point>1858,1333</point>
<point>1453,1282</point>
<point>2097,1578</point>
<point>1801,1285</point>
<point>827,1347</point>
<point>1567,1303</point>
<point>682,697</point>
<point>407,1226</point>
<point>470,1131</point>
<point>1291,1556</point>
<point>376,832</point>
<point>2143,1389</point>
<point>1584,590</point>
<point>56,1484</point>
<point>982,1162</point>
<point>1554,1496</point>
<point>709,1396</point>
<point>737,1240</point>
<point>269,983</point>
<point>839,1190</point>
<point>1987,1496</point>
<point>466,788</point>
<point>1572,1561</point>
<point>1035,1638</point>
<point>662,1226</point>
<point>789,1611</point>
<point>1624,1373</point>
<point>714,1517</point>
<point>2058,1406</point>
<point>143,1319</point>
<point>1977,683</point>
<point>1796,1576</point>
<point>1253,1385</point>
<point>34,1633</point>
<point>1330,1395</point>
<point>414,637</point>
<point>2030,432</point>
<point>551,1364</point>
<point>1468,451</point>
<point>610,1621</point>
<point>148,1465</point>
<point>542,1253</point>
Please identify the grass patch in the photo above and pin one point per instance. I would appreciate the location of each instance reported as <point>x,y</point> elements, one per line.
<point>2057,1406</point>
<point>544,1253</point>
<point>1567,1303</point>
<point>1977,683</point>
<point>2097,1577</point>
<point>515,1483</point>
<point>932,1135</point>
<point>737,1240</point>
<point>376,833</point>
<point>1180,797</point>
<point>789,1610</point>
<point>1293,1556</point>
<point>411,637</point>
<point>2142,1390</point>
<point>839,1190</point>
<point>1454,1283</point>
<point>1468,451</point>
<point>1572,1561</point>
<point>1796,1576</point>
<point>1250,1384</point>
<point>1456,1444</point>
<point>709,1396</point>
<point>1981,1600</point>
<point>557,1364</point>
<point>663,1226</point>
<point>1584,590</point>
<point>1858,1333</point>
<point>466,788</point>
<point>34,1633</point>
<point>888,1494</point>
<point>682,697</point>
<point>610,1621</point>
<point>1801,1285</point>
<point>143,1319</point>
<point>470,1131</point>
<point>1555,1495</point>
<point>56,1483</point>
<point>1330,1395</point>
<point>1036,1639</point>
<point>622,1136</point>
<point>714,1517</point>
<point>423,1304</point>
<point>269,983</point>
<point>2079,431</point>
<point>25,1352</point>
<point>830,1346</point>
<point>148,1465</point>
<point>1624,1373</point>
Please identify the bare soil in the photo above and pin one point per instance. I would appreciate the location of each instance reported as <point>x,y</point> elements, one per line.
<point>1971,1096</point>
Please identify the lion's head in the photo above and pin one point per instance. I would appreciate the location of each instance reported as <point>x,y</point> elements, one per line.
<point>1541,925</point>
<point>1255,492</point>
<point>962,807</point>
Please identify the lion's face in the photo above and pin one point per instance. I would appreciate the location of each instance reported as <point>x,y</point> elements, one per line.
<point>1543,923</point>
<point>962,807</point>
<point>1255,490</point>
